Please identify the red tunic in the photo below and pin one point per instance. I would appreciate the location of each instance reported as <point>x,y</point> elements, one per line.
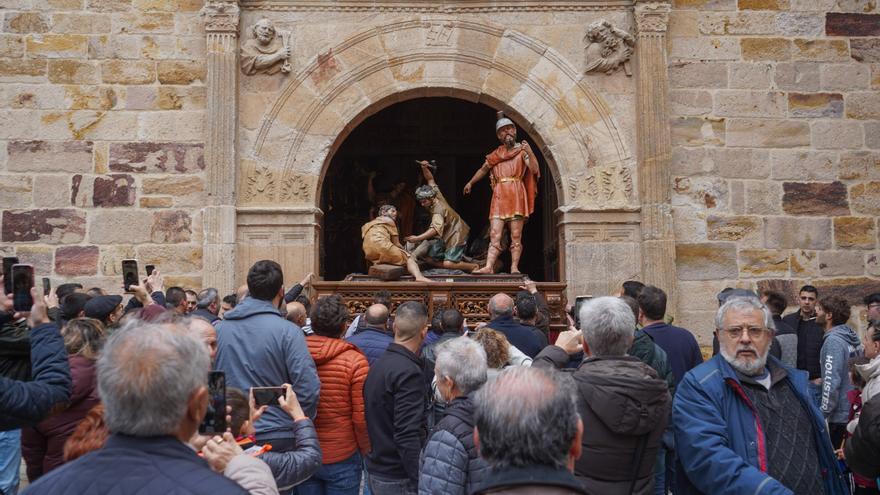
<point>513,185</point>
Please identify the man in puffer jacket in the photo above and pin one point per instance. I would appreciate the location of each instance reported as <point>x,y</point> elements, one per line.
<point>839,345</point>
<point>342,428</point>
<point>450,462</point>
<point>624,402</point>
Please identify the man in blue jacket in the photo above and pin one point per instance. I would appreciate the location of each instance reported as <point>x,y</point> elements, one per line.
<point>256,347</point>
<point>745,423</point>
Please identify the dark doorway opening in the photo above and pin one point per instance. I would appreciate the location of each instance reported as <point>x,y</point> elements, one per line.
<point>457,134</point>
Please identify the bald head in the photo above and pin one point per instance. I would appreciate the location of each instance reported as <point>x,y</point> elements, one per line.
<point>376,314</point>
<point>500,305</point>
<point>241,293</point>
<point>296,313</point>
<point>410,322</point>
<point>206,332</point>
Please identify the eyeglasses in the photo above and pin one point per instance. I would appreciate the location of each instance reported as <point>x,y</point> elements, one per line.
<point>755,333</point>
<point>873,305</point>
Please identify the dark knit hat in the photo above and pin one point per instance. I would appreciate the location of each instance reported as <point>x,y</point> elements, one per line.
<point>100,307</point>
<point>73,304</point>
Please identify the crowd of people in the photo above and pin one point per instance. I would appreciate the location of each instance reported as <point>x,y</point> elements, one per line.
<point>100,395</point>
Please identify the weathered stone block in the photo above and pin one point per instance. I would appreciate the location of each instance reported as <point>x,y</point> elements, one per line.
<point>171,227</point>
<point>11,46</point>
<point>128,71</point>
<point>800,24</point>
<point>81,191</point>
<point>850,6</point>
<point>815,105</point>
<point>80,23</point>
<point>839,134</point>
<point>855,232</point>
<point>112,256</point>
<point>763,262</point>
<point>851,289</point>
<point>706,261</point>
<point>710,193</point>
<point>845,77</point>
<point>865,49</point>
<point>767,133</point>
<point>76,260</point>
<point>850,24</point>
<point>156,202</point>
<point>21,70</point>
<point>859,165</point>
<point>181,98</point>
<point>55,226</point>
<point>113,190</point>
<point>797,233</point>
<point>821,50</point>
<point>749,104</point>
<point>803,165</point>
<point>763,197</point>
<point>689,223</point>
<point>157,157</point>
<point>702,48</point>
<point>186,191</point>
<point>797,76</point>
<point>90,97</point>
<point>179,258</point>
<point>804,263</point>
<point>872,264</point>
<point>837,263</point>
<point>56,156</point>
<point>863,105</point>
<point>750,75</point>
<point>171,126</point>
<point>735,228</point>
<point>766,49</point>
<point>865,198</point>
<point>108,5</point>
<point>763,4</point>
<point>722,23</point>
<point>690,102</point>
<point>815,198</point>
<point>741,163</point>
<point>683,24</point>
<point>704,4</point>
<point>57,45</point>
<point>118,226</point>
<point>46,191</point>
<point>737,197</point>
<point>872,135</point>
<point>135,22</point>
<point>16,191</point>
<point>693,74</point>
<point>696,131</point>
<point>25,22</point>
<point>691,161</point>
<point>180,71</point>
<point>74,72</point>
<point>39,256</point>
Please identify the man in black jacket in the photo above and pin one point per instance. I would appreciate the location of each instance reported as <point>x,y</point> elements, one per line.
<point>395,400</point>
<point>863,449</point>
<point>810,335</point>
<point>524,338</point>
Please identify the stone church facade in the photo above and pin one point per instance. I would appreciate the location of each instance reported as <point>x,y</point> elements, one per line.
<point>693,144</point>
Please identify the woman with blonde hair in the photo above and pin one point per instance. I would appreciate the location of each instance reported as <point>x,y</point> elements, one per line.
<point>42,446</point>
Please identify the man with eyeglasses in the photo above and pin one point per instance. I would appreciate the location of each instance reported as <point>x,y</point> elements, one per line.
<point>810,335</point>
<point>744,422</point>
<point>872,304</point>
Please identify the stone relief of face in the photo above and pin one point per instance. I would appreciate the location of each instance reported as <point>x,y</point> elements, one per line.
<point>264,32</point>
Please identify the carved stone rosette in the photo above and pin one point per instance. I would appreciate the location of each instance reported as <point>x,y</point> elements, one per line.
<point>221,29</point>
<point>654,148</point>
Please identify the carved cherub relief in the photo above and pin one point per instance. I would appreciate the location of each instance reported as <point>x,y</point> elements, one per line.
<point>267,52</point>
<point>608,48</point>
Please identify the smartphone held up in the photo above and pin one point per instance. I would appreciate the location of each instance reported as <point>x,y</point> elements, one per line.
<point>215,416</point>
<point>22,283</point>
<point>267,396</point>
<point>129,274</point>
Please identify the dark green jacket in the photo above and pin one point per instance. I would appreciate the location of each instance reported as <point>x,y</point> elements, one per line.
<point>644,348</point>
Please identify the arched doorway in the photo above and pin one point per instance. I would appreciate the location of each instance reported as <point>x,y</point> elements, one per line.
<point>454,132</point>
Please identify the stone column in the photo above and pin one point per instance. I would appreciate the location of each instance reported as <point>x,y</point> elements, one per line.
<point>654,148</point>
<point>221,29</point>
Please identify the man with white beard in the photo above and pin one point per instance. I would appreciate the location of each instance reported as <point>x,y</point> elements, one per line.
<point>744,422</point>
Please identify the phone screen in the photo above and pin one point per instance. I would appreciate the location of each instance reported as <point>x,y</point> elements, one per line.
<point>215,416</point>
<point>22,282</point>
<point>150,269</point>
<point>267,396</point>
<point>129,273</point>
<point>47,286</point>
<point>8,261</point>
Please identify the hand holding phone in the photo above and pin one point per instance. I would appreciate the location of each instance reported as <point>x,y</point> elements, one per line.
<point>290,403</point>
<point>8,262</point>
<point>267,396</point>
<point>129,274</point>
<point>215,416</point>
<point>22,283</point>
<point>39,315</point>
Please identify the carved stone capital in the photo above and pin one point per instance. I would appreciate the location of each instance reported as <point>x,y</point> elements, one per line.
<point>221,16</point>
<point>652,17</point>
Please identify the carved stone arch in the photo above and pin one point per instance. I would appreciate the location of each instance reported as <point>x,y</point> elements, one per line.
<point>435,56</point>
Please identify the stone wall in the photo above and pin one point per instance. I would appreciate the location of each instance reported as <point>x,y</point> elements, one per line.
<point>102,127</point>
<point>776,148</point>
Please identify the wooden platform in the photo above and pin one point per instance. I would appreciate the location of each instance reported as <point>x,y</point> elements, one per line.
<point>467,293</point>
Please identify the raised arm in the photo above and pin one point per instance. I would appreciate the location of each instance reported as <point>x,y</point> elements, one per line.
<point>477,177</point>
<point>426,173</point>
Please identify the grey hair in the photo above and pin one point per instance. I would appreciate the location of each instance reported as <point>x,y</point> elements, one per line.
<point>463,361</point>
<point>608,325</point>
<point>526,416</point>
<point>146,375</point>
<point>384,210</point>
<point>425,192</point>
<point>207,297</point>
<point>744,303</point>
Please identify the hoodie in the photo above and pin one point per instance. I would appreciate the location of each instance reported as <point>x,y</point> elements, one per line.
<point>871,373</point>
<point>342,370</point>
<point>839,344</point>
<point>623,403</point>
<point>256,347</point>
